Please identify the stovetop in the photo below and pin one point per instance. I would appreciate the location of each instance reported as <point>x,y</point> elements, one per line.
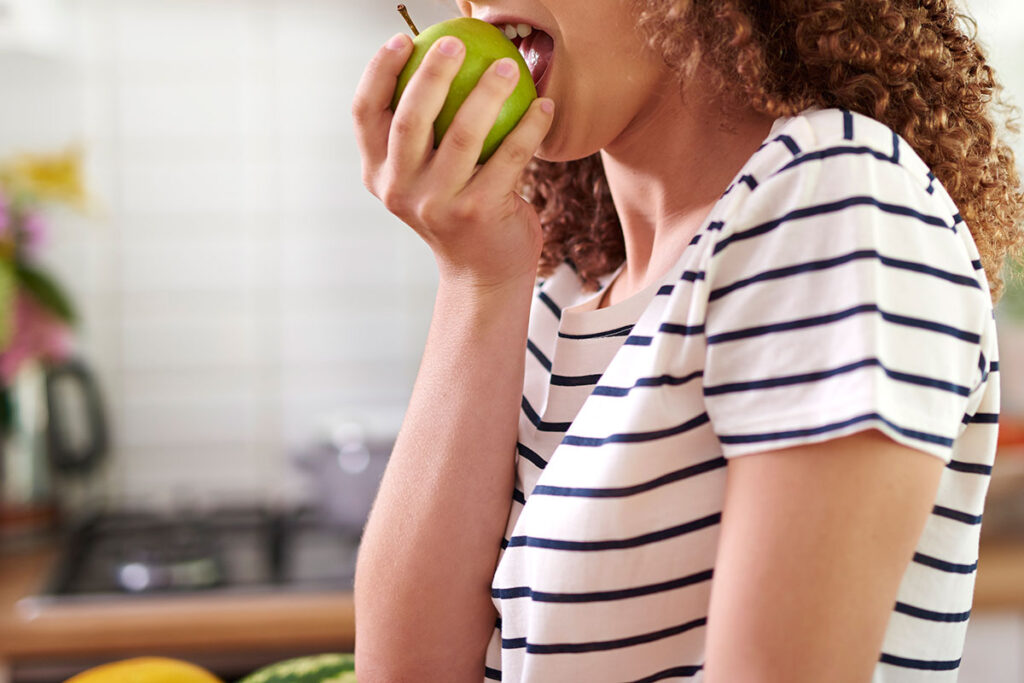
<point>132,553</point>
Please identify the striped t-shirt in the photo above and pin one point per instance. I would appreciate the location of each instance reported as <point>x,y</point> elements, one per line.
<point>832,289</point>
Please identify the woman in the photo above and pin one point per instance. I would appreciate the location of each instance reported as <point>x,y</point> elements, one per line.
<point>742,430</point>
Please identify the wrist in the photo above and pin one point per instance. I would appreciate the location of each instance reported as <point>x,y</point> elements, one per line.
<point>465,283</point>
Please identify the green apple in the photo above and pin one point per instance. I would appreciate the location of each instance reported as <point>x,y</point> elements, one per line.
<point>485,44</point>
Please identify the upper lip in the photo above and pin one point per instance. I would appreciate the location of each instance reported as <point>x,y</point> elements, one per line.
<point>502,19</point>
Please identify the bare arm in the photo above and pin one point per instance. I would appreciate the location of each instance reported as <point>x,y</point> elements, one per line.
<point>423,594</point>
<point>815,540</point>
<point>422,590</point>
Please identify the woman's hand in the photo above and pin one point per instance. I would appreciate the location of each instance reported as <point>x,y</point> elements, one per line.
<point>480,230</point>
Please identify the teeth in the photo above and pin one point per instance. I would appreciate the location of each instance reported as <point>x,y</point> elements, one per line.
<point>517,30</point>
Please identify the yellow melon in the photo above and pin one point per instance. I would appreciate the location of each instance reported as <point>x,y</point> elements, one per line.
<point>146,670</point>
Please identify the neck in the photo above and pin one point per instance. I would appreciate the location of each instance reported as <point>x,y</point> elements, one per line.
<point>666,172</point>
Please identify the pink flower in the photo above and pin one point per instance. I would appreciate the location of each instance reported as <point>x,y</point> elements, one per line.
<point>5,216</point>
<point>38,334</point>
<point>33,232</point>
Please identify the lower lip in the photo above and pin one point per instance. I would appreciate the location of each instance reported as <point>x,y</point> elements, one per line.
<point>542,83</point>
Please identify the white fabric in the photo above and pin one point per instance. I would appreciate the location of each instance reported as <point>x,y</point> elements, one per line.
<point>834,288</point>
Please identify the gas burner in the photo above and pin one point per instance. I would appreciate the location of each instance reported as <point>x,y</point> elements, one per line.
<point>137,552</point>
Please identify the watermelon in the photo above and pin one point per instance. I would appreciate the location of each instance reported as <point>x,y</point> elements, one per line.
<point>329,668</point>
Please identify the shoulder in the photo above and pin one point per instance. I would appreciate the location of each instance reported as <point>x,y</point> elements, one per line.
<point>839,145</point>
<point>828,161</point>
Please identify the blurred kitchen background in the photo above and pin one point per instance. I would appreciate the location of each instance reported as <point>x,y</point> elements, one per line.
<point>253,320</point>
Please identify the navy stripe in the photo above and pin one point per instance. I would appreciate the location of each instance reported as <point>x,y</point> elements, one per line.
<point>823,264</point>
<point>531,455</point>
<point>617,332</point>
<point>623,491</point>
<point>930,665</point>
<point>969,467</point>
<point>993,366</point>
<point>696,238</point>
<point>686,671</point>
<point>549,302</point>
<point>830,152</point>
<point>840,315</point>
<point>663,380</point>
<point>825,374</point>
<point>492,674</point>
<point>618,543</point>
<point>957,219</point>
<point>600,596</point>
<point>956,515</point>
<point>931,183</point>
<point>895,148</point>
<point>847,125</point>
<point>977,265</point>
<point>518,496</point>
<point>574,381</point>
<point>692,275</point>
<point>714,225</point>
<point>665,289</point>
<point>951,567</point>
<point>830,207</point>
<point>948,617</point>
<point>540,424</point>
<point>810,431</point>
<point>638,341</point>
<point>636,437</point>
<point>749,180</point>
<point>672,328</point>
<point>539,355</point>
<point>985,418</point>
<point>598,646</point>
<point>789,142</point>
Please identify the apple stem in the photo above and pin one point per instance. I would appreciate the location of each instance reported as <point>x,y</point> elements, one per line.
<point>405,15</point>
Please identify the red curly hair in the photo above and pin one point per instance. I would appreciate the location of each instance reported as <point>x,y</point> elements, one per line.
<point>914,66</point>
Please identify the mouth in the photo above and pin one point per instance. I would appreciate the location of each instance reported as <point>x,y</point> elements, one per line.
<point>536,46</point>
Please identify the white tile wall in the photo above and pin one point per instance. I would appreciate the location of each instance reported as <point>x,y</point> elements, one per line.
<point>237,284</point>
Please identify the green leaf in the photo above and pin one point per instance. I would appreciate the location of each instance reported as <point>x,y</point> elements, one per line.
<point>47,292</point>
<point>8,286</point>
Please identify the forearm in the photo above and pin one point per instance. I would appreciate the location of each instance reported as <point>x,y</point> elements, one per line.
<point>431,544</point>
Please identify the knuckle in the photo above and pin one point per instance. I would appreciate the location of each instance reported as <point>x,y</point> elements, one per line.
<point>430,211</point>
<point>433,69</point>
<point>360,112</point>
<point>406,125</point>
<point>466,210</point>
<point>516,153</point>
<point>462,140</point>
<point>394,200</point>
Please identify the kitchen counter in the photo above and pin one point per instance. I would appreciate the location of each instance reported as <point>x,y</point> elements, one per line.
<point>153,625</point>
<point>310,621</point>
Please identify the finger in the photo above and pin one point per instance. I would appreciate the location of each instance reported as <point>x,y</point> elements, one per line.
<point>412,130</point>
<point>506,165</point>
<point>460,149</point>
<point>371,113</point>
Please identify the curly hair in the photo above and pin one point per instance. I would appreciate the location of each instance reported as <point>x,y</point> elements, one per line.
<point>914,66</point>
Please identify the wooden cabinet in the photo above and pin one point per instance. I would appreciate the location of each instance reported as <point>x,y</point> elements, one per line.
<point>207,625</point>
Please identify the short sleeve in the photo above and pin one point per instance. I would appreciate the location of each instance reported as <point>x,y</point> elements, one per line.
<point>843,296</point>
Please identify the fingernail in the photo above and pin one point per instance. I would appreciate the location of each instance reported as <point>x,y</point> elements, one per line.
<point>396,43</point>
<point>547,106</point>
<point>450,46</point>
<point>507,68</point>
